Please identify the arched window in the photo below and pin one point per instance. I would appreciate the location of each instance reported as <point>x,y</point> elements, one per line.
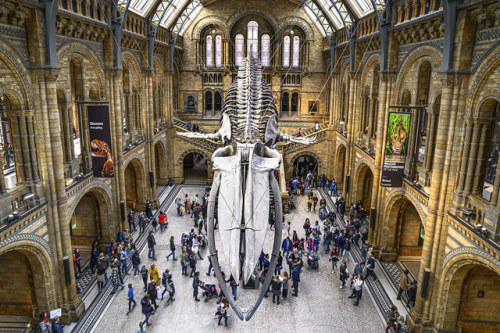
<point>265,50</point>
<point>239,49</point>
<point>285,102</point>
<point>208,101</point>
<point>218,51</point>
<point>286,51</point>
<point>295,102</point>
<point>209,46</point>
<point>218,101</point>
<point>296,51</point>
<point>253,39</point>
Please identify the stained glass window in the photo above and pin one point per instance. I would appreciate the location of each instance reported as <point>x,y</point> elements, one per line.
<point>239,49</point>
<point>296,51</point>
<point>286,51</point>
<point>253,39</point>
<point>265,46</point>
<point>209,51</point>
<point>218,51</point>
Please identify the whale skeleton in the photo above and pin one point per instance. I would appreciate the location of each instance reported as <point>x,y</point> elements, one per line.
<point>244,172</point>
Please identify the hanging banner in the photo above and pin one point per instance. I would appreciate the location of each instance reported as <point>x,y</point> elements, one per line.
<point>100,141</point>
<point>396,149</point>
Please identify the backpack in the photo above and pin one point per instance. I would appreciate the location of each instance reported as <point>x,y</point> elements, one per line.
<point>136,260</point>
<point>164,280</point>
<point>101,268</point>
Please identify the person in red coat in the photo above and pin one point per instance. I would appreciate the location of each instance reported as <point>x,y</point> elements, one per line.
<point>162,218</point>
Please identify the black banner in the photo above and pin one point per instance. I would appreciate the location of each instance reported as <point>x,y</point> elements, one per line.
<point>100,141</point>
<point>396,149</point>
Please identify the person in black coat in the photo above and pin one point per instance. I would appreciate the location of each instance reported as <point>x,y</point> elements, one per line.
<point>296,280</point>
<point>149,210</point>
<point>151,246</point>
<point>276,287</point>
<point>196,284</point>
<point>344,274</point>
<point>147,309</point>
<point>153,293</point>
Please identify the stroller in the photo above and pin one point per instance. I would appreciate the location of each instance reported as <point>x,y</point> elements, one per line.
<point>313,261</point>
<point>202,240</point>
<point>209,291</point>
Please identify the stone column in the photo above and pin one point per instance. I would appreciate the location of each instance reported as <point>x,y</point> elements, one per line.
<point>496,186</point>
<point>33,148</point>
<point>71,303</point>
<point>379,152</point>
<point>17,149</point>
<point>465,155</point>
<point>472,159</point>
<point>26,148</point>
<point>431,136</point>
<point>480,158</point>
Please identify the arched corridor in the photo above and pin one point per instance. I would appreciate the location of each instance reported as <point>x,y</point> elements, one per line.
<point>406,233</point>
<point>90,221</point>
<point>135,183</point>
<point>195,168</point>
<point>21,276</point>
<point>473,298</point>
<point>303,164</point>
<point>160,164</point>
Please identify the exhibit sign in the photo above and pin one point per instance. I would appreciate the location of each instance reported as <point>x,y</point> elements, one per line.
<point>395,149</point>
<point>100,141</point>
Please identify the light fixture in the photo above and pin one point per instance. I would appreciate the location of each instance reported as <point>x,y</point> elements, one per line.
<point>292,32</point>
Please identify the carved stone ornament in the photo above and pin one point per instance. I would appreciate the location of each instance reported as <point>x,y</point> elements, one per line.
<point>246,165</point>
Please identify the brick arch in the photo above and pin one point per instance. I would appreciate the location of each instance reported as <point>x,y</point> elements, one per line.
<point>180,162</point>
<point>135,181</point>
<point>452,279</point>
<point>18,67</point>
<point>83,52</point>
<point>207,21</point>
<point>42,269</point>
<point>134,68</point>
<point>479,80</point>
<point>425,52</point>
<point>160,160</point>
<point>299,22</point>
<point>394,203</point>
<point>255,11</point>
<point>340,165</point>
<point>305,153</point>
<point>208,154</point>
<point>367,65</point>
<point>359,184</point>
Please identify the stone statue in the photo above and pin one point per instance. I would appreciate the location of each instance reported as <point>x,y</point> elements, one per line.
<point>244,172</point>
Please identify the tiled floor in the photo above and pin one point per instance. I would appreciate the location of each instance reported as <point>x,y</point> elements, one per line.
<point>320,307</point>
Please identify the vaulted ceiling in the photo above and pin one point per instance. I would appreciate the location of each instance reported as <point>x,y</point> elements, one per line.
<point>328,15</point>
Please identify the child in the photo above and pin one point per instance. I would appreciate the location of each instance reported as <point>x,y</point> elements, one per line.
<point>130,298</point>
<point>334,257</point>
<point>288,227</point>
<point>181,210</point>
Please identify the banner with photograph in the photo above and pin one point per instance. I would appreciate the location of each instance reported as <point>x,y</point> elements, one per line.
<point>395,149</point>
<point>100,141</point>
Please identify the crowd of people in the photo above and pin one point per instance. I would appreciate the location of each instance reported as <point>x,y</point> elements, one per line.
<point>324,236</point>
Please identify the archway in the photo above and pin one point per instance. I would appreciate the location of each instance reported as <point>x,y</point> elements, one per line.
<point>160,165</point>
<point>303,164</point>
<point>134,184</point>
<point>472,289</point>
<point>23,295</point>
<point>195,168</point>
<point>364,186</point>
<point>340,166</point>
<point>89,221</point>
<point>405,236</point>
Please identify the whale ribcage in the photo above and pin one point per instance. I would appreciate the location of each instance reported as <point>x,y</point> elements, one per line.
<point>249,103</point>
